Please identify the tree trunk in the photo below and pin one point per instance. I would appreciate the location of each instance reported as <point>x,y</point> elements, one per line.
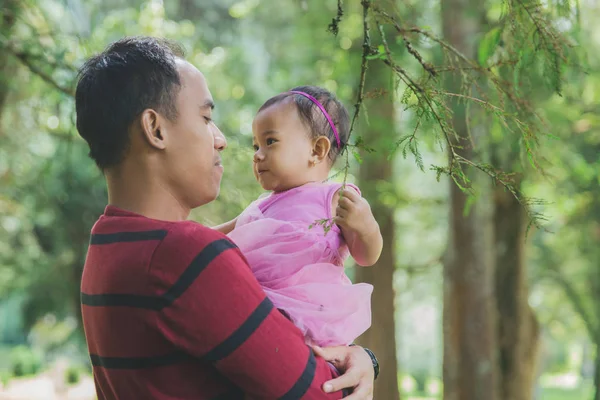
<point>375,168</point>
<point>469,366</point>
<point>597,371</point>
<point>518,330</point>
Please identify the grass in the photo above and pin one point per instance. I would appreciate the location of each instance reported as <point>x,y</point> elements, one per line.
<point>583,393</point>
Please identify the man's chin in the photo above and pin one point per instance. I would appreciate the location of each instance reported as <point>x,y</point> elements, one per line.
<point>214,193</point>
<point>216,190</point>
<point>207,198</point>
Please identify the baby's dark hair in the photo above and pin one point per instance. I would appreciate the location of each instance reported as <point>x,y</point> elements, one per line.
<point>313,117</point>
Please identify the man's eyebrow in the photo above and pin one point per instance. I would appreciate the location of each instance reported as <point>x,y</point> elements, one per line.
<point>208,104</point>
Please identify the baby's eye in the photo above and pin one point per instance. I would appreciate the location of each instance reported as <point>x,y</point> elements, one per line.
<point>270,141</point>
<point>255,147</point>
<point>208,120</point>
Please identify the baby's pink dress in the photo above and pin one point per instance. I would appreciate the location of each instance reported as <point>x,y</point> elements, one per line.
<point>301,269</point>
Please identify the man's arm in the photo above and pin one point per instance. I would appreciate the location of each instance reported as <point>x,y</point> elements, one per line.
<point>224,317</point>
<point>226,227</point>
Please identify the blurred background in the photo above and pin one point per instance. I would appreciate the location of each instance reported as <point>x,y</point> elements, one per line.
<point>476,145</point>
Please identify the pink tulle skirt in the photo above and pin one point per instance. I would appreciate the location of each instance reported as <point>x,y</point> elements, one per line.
<point>303,276</point>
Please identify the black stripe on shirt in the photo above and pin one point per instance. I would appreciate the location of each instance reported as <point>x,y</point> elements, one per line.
<point>120,237</point>
<point>305,380</point>
<point>237,338</point>
<point>138,362</point>
<point>123,300</point>
<point>199,264</point>
<point>234,394</point>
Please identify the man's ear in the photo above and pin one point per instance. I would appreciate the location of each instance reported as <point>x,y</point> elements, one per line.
<point>153,129</point>
<point>321,147</point>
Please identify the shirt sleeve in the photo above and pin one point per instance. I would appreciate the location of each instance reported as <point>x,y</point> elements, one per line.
<point>217,312</point>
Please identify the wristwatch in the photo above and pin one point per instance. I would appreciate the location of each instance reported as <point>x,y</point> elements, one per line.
<point>373,360</point>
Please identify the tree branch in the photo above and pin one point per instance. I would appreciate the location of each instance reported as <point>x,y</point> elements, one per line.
<point>366,4</point>
<point>24,58</point>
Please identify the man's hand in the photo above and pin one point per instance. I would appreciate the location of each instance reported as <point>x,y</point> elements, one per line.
<point>356,367</point>
<point>353,213</point>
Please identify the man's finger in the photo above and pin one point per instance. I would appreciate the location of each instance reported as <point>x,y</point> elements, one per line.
<point>331,354</point>
<point>362,392</point>
<point>319,351</point>
<point>347,380</point>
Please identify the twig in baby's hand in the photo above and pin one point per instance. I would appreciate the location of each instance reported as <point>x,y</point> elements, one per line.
<point>326,223</point>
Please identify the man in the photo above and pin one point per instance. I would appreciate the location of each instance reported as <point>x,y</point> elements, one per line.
<point>170,307</point>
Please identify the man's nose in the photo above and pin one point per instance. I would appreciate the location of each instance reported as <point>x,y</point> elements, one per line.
<point>220,141</point>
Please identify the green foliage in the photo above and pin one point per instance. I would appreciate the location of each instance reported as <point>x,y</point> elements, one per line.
<point>73,375</point>
<point>50,192</point>
<point>488,45</point>
<point>421,377</point>
<point>583,392</point>
<point>24,361</point>
<point>335,22</point>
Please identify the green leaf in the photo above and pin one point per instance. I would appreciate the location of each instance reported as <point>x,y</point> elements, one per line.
<point>357,156</point>
<point>380,55</point>
<point>488,45</point>
<point>468,205</point>
<point>413,147</point>
<point>397,145</point>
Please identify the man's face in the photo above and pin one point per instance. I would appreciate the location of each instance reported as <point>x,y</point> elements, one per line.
<point>193,163</point>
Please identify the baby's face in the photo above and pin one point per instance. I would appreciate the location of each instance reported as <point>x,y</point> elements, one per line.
<point>283,148</point>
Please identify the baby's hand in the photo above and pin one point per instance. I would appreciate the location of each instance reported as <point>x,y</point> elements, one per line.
<point>359,227</point>
<point>353,213</point>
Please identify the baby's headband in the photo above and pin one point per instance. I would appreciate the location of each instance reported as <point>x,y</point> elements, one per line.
<point>311,98</point>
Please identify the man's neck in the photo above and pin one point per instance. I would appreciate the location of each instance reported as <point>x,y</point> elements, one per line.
<point>136,189</point>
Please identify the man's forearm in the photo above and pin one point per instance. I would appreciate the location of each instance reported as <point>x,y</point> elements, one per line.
<point>227,227</point>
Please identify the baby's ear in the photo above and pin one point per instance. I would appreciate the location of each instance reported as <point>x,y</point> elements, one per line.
<point>321,147</point>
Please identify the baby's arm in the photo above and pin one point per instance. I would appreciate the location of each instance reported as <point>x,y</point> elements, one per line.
<point>226,227</point>
<point>360,229</point>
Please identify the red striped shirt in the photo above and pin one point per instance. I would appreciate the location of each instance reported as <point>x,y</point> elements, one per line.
<point>171,310</point>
